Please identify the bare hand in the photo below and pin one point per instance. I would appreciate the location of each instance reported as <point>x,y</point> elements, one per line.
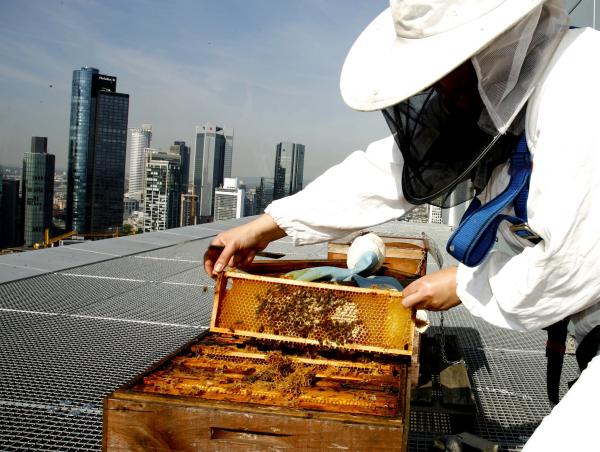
<point>434,292</point>
<point>239,245</point>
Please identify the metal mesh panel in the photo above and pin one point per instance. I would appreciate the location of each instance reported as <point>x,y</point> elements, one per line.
<point>184,251</point>
<point>44,428</point>
<point>487,335</point>
<point>58,293</point>
<point>508,376</point>
<point>56,371</point>
<point>165,303</point>
<point>195,276</point>
<point>138,269</point>
<point>56,359</point>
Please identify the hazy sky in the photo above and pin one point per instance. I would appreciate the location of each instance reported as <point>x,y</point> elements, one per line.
<point>268,68</point>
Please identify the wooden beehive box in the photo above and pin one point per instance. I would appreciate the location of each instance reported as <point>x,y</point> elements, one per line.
<point>255,383</point>
<point>402,253</point>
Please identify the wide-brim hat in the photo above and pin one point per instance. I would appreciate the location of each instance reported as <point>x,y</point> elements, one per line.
<point>415,43</point>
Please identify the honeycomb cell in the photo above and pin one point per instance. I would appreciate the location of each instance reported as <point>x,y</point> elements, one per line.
<point>327,314</point>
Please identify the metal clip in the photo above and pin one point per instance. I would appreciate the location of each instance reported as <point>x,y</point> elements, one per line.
<point>523,231</point>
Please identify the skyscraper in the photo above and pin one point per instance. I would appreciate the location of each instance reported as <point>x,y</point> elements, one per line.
<point>187,209</point>
<point>10,214</point>
<point>212,160</point>
<point>264,194</point>
<point>161,190</point>
<point>180,148</point>
<point>228,159</point>
<point>289,169</point>
<point>38,191</point>
<point>138,139</point>
<point>229,200</point>
<point>250,201</point>
<point>97,143</point>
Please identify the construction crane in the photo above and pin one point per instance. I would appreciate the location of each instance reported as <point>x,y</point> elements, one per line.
<point>50,241</point>
<point>101,235</point>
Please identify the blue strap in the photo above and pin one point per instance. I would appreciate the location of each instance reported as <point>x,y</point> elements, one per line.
<point>476,234</point>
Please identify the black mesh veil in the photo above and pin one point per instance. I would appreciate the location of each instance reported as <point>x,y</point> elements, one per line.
<point>444,149</point>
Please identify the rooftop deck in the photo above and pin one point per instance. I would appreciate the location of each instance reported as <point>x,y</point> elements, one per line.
<point>79,321</point>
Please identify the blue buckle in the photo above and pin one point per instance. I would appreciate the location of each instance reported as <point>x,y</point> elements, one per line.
<point>525,232</point>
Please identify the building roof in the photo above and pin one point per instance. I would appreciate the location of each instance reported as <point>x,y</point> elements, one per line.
<point>79,321</point>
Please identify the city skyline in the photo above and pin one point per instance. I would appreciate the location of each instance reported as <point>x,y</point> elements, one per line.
<point>270,70</point>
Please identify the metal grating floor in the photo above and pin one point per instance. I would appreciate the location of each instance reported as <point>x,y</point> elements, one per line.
<point>71,336</point>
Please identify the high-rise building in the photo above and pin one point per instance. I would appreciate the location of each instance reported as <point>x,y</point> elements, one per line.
<point>10,214</point>
<point>229,200</point>
<point>187,209</point>
<point>435,215</point>
<point>38,191</point>
<point>162,190</point>
<point>228,158</point>
<point>180,148</point>
<point>289,169</point>
<point>212,161</point>
<point>250,201</point>
<point>264,194</point>
<point>130,205</point>
<point>138,139</point>
<point>97,144</point>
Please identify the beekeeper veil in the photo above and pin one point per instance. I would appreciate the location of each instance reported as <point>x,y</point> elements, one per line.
<point>453,135</point>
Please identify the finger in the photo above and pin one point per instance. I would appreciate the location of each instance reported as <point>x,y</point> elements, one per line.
<point>236,259</point>
<point>410,289</point>
<point>224,258</point>
<point>210,256</point>
<point>208,264</point>
<point>414,300</point>
<point>250,257</point>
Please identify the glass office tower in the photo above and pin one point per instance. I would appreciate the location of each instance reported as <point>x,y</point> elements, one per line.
<point>11,226</point>
<point>38,191</point>
<point>161,190</point>
<point>228,157</point>
<point>97,145</point>
<point>289,169</point>
<point>138,139</point>
<point>214,147</point>
<point>179,147</point>
<point>264,194</point>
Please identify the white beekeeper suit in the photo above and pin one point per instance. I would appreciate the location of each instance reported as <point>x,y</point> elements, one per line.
<point>538,285</point>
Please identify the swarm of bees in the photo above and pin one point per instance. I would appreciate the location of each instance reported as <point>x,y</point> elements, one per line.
<point>309,313</point>
<point>284,375</point>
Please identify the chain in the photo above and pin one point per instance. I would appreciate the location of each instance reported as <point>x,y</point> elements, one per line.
<point>443,344</point>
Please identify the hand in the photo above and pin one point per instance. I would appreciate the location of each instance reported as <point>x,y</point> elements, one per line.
<point>239,245</point>
<point>434,292</point>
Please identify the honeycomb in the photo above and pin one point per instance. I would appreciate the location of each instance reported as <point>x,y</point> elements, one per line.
<point>359,319</point>
<point>241,373</point>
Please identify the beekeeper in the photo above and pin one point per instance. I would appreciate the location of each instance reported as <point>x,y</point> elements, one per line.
<point>458,82</point>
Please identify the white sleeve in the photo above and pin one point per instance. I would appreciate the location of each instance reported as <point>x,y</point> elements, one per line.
<point>362,191</point>
<point>559,276</point>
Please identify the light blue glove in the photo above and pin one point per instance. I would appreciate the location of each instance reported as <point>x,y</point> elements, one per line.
<point>359,274</point>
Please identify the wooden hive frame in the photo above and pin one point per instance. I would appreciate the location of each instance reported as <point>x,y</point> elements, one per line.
<point>388,327</point>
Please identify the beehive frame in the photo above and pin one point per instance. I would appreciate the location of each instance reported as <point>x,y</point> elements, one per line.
<point>386,325</point>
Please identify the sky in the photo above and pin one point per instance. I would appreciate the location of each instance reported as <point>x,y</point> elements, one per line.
<point>269,69</point>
